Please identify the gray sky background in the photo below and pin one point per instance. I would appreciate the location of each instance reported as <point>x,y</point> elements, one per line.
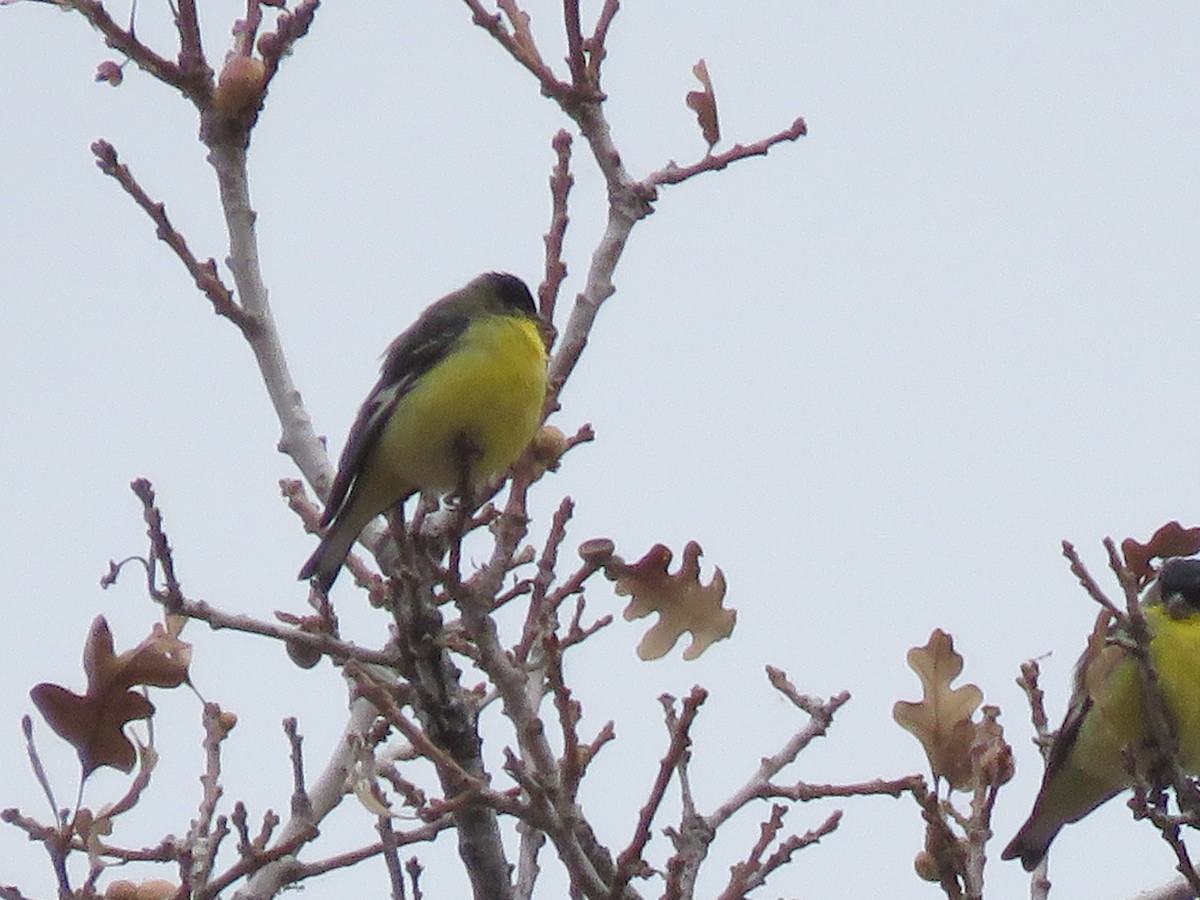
<point>879,375</point>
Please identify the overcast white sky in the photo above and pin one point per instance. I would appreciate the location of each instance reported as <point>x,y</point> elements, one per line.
<point>878,375</point>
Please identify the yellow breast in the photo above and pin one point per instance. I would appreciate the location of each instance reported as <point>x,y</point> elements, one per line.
<point>1175,651</point>
<point>485,399</point>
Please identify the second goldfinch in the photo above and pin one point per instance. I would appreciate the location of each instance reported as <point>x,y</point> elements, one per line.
<point>459,398</point>
<point>1087,763</point>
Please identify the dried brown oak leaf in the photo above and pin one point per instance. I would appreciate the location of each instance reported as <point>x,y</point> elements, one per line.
<point>993,754</point>
<point>704,105</point>
<point>94,723</point>
<point>681,601</point>
<point>1170,540</point>
<point>943,720</point>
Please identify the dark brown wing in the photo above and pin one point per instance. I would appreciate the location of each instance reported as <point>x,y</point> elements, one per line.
<point>1095,666</point>
<point>409,357</point>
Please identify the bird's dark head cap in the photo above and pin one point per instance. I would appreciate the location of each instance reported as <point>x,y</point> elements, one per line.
<point>1179,585</point>
<point>511,292</point>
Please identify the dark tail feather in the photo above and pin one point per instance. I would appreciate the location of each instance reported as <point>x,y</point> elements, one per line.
<point>326,562</point>
<point>1031,843</point>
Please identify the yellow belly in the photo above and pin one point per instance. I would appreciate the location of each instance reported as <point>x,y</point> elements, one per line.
<point>1175,651</point>
<point>480,407</point>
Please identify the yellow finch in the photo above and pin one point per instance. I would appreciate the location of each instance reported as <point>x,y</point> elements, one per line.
<point>1087,763</point>
<point>459,398</point>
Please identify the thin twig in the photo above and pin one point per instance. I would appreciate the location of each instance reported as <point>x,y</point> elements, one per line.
<point>204,274</point>
<point>195,81</point>
<point>561,182</point>
<point>714,162</point>
<point>1079,570</point>
<point>629,861</point>
<point>753,872</point>
<point>161,557</point>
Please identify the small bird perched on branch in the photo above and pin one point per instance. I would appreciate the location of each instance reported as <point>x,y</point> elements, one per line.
<point>1106,718</point>
<point>459,398</point>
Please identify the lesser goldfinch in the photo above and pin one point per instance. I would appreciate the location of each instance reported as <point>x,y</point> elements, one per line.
<point>1087,763</point>
<point>459,398</point>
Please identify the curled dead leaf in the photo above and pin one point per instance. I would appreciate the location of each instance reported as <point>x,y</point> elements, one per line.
<point>682,602</point>
<point>161,660</point>
<point>992,753</point>
<point>94,723</point>
<point>110,71</point>
<point>943,720</point>
<point>93,829</point>
<point>1170,540</point>
<point>704,105</point>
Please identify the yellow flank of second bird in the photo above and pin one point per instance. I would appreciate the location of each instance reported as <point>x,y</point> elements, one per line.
<point>1106,716</point>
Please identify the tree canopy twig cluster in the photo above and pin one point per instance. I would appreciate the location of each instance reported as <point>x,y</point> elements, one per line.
<point>410,752</point>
